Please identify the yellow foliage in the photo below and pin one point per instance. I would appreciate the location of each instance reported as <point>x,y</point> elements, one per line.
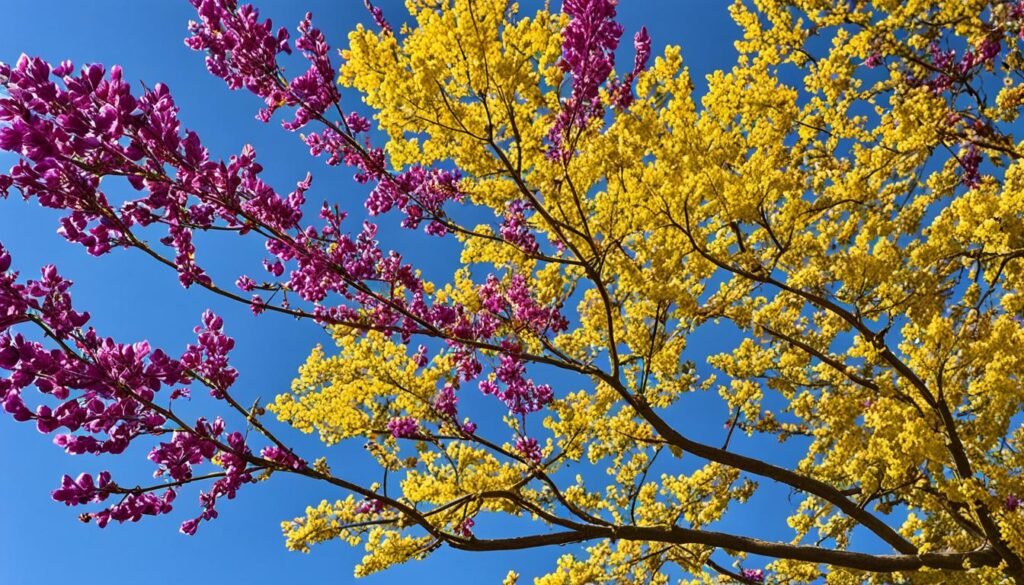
<point>814,204</point>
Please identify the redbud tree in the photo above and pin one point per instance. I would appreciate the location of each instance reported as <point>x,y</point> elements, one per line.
<point>847,201</point>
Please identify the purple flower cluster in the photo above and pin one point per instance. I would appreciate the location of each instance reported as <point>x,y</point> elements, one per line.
<point>419,193</point>
<point>447,402</point>
<point>588,53</point>
<point>282,457</point>
<point>105,393</point>
<point>243,51</point>
<point>73,129</point>
<point>378,16</point>
<point>239,47</point>
<point>520,394</point>
<point>209,357</point>
<point>515,229</point>
<point>1012,503</point>
<point>233,460</point>
<point>370,506</point>
<point>513,305</point>
<point>83,489</point>
<point>516,304</point>
<point>753,575</point>
<point>404,427</point>
<point>950,71</point>
<point>185,191</point>
<point>465,528</point>
<point>315,90</point>
<point>622,96</point>
<point>970,162</point>
<point>131,508</point>
<point>177,458</point>
<point>1016,17</point>
<point>94,127</point>
<point>529,448</point>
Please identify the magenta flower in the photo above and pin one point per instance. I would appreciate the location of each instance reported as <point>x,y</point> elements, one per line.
<point>83,489</point>
<point>622,96</point>
<point>447,402</point>
<point>404,428</point>
<point>209,357</point>
<point>378,16</point>
<point>970,161</point>
<point>282,457</point>
<point>370,506</point>
<point>588,54</point>
<point>515,229</point>
<point>465,528</point>
<point>1012,503</point>
<point>103,394</point>
<point>529,448</point>
<point>753,575</point>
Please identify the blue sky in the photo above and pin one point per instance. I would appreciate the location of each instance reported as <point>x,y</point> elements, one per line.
<point>131,298</point>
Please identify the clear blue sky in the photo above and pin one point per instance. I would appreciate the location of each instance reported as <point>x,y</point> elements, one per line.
<point>131,298</point>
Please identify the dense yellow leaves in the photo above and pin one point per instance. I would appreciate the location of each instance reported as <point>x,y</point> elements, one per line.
<point>353,393</point>
<point>320,524</point>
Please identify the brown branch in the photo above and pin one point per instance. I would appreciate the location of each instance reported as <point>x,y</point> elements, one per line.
<point>953,561</point>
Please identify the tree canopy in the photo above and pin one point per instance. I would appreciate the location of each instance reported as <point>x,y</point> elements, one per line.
<point>844,207</point>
